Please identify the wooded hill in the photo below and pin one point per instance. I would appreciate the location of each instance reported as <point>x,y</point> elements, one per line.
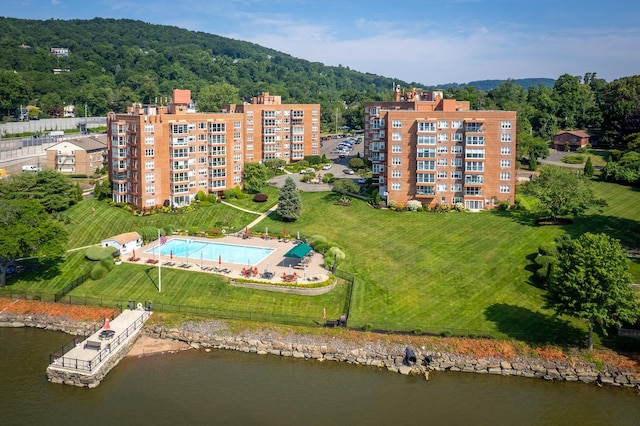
<point>112,63</point>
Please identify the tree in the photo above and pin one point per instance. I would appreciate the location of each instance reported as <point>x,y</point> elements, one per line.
<point>289,203</point>
<point>561,193</point>
<point>591,282</point>
<point>588,167</point>
<point>13,91</point>
<point>213,96</point>
<point>50,188</point>
<point>531,146</point>
<point>26,229</point>
<point>255,176</point>
<point>356,163</point>
<point>345,186</point>
<point>274,163</point>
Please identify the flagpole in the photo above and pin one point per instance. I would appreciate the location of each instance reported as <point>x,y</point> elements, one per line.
<point>159,266</point>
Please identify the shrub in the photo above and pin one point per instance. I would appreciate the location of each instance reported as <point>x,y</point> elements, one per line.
<point>212,198</point>
<point>313,159</point>
<point>328,178</point>
<point>260,198</point>
<point>316,239</point>
<point>201,196</point>
<point>367,327</point>
<point>445,333</point>
<point>333,257</point>
<point>204,203</point>
<point>573,159</point>
<point>98,272</point>
<point>108,264</point>
<point>413,205</point>
<point>549,249</point>
<point>193,230</point>
<point>100,253</point>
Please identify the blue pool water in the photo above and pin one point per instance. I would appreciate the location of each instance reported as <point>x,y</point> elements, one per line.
<point>229,253</point>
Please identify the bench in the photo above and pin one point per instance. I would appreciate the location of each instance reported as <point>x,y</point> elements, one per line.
<point>89,344</point>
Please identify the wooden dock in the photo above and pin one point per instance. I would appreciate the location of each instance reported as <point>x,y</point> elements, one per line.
<point>89,361</point>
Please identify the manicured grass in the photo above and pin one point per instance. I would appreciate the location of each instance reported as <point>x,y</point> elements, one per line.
<point>249,204</point>
<point>86,228</point>
<point>457,272</point>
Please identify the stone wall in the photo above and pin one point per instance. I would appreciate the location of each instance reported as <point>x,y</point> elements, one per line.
<point>393,358</point>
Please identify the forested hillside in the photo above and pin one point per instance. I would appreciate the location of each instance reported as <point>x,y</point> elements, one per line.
<point>112,63</point>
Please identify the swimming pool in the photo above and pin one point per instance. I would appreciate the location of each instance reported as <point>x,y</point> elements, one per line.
<point>228,253</point>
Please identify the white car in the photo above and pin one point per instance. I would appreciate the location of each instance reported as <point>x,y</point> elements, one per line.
<point>327,166</point>
<point>362,180</point>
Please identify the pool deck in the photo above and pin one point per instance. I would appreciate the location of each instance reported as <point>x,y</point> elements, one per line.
<point>275,262</point>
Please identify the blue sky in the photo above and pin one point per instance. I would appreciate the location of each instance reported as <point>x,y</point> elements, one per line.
<point>425,41</point>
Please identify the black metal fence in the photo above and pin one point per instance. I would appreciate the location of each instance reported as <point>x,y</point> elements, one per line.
<point>69,287</point>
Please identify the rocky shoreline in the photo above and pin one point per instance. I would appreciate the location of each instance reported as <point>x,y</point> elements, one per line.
<point>214,334</point>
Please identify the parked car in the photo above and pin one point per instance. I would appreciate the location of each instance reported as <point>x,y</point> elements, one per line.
<point>362,180</point>
<point>327,166</point>
<point>348,172</point>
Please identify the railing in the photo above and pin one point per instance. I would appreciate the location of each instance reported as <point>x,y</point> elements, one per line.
<point>79,364</point>
<point>69,287</point>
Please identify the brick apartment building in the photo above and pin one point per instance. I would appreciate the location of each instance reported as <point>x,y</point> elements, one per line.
<point>165,154</point>
<point>81,156</point>
<point>437,151</point>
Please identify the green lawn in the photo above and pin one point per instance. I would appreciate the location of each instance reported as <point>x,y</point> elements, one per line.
<point>458,272</point>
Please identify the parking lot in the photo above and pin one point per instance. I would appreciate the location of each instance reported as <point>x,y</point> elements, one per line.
<point>337,169</point>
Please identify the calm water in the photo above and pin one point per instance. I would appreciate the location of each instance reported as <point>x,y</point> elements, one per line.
<point>225,387</point>
<point>228,253</point>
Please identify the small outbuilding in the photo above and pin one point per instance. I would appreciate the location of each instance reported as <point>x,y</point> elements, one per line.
<point>126,242</point>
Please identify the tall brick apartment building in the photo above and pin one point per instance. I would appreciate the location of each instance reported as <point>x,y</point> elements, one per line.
<point>164,154</point>
<point>438,151</point>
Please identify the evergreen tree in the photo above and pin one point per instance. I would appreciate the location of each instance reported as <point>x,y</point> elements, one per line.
<point>289,203</point>
<point>533,164</point>
<point>588,167</point>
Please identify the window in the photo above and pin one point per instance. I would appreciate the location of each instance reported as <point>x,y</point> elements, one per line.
<point>505,189</point>
<point>474,179</point>
<point>456,149</point>
<point>148,128</point>
<point>179,129</point>
<point>475,140</point>
<point>442,162</point>
<point>456,162</point>
<point>443,174</point>
<point>396,136</point>
<point>474,127</point>
<point>505,176</point>
<point>426,126</point>
<point>396,161</point>
<point>443,137</point>
<point>456,124</point>
<point>441,187</point>
<point>425,178</point>
<point>425,190</point>
<point>443,124</point>
<point>148,152</point>
<point>396,173</point>
<point>474,153</point>
<point>456,187</point>
<point>472,190</point>
<point>396,149</point>
<point>149,177</point>
<point>456,175</point>
<point>456,137</point>
<point>396,186</point>
<point>505,137</point>
<point>505,125</point>
<point>442,149</point>
<point>505,163</point>
<point>474,166</point>
<point>425,165</point>
<point>426,140</point>
<point>149,164</point>
<point>148,140</point>
<point>150,189</point>
<point>426,152</point>
<point>396,124</point>
<point>217,127</point>
<point>237,124</point>
<point>505,150</point>
<point>473,204</point>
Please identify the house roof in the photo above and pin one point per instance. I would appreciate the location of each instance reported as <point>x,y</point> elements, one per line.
<point>87,143</point>
<point>579,133</point>
<point>299,251</point>
<point>124,238</point>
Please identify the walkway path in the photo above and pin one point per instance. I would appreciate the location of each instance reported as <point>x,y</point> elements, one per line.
<point>260,215</point>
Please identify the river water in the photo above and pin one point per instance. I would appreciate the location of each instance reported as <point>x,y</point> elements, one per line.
<point>232,388</point>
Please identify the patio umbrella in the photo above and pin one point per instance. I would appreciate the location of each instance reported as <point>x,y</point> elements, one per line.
<point>266,231</point>
<point>134,253</point>
<point>324,314</point>
<point>219,259</point>
<point>107,325</point>
<point>171,254</point>
<point>284,232</point>
<point>298,234</point>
